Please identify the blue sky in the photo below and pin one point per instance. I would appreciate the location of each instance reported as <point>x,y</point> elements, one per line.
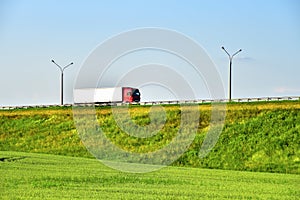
<point>34,32</point>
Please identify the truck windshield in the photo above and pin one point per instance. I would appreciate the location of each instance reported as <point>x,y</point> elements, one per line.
<point>136,92</point>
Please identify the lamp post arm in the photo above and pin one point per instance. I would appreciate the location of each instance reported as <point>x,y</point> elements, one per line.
<point>237,52</point>
<point>58,66</point>
<point>226,52</point>
<point>67,66</point>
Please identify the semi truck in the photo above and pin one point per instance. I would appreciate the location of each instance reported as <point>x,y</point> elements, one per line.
<point>106,95</point>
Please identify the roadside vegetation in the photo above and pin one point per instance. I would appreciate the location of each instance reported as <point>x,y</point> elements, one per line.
<point>260,137</point>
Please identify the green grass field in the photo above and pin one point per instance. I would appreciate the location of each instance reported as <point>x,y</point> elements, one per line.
<point>43,176</point>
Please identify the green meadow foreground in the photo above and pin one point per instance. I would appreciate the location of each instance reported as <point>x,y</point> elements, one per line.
<point>42,176</point>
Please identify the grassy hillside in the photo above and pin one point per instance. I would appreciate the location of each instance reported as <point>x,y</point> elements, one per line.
<point>42,176</point>
<point>256,137</point>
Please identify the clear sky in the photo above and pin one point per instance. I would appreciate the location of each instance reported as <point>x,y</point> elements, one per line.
<point>33,32</point>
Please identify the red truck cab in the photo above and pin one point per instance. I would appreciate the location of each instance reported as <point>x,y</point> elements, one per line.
<point>131,95</point>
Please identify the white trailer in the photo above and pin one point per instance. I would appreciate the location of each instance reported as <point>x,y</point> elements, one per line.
<point>102,95</point>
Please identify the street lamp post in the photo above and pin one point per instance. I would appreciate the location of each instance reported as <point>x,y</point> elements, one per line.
<point>62,80</point>
<point>230,64</point>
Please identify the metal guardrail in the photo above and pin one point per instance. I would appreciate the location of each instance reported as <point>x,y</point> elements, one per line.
<point>294,98</point>
<point>259,99</point>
